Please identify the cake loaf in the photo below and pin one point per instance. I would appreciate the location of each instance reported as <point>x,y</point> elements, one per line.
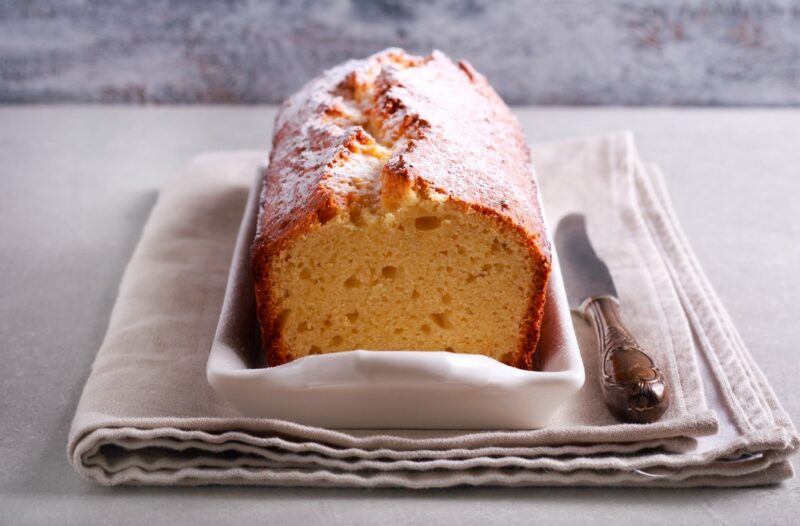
<point>399,212</point>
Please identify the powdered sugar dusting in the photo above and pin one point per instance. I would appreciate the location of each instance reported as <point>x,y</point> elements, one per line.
<point>468,145</point>
<point>426,122</point>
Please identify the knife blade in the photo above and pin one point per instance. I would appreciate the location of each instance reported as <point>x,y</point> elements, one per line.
<point>633,387</point>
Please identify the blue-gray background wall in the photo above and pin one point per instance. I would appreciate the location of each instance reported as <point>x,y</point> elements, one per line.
<point>661,52</point>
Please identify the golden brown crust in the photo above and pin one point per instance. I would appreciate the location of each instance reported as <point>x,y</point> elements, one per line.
<point>451,136</point>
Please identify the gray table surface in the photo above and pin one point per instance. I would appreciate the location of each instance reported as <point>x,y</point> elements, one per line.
<point>76,187</point>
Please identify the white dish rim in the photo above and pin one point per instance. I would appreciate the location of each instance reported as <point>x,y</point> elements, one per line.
<point>270,391</point>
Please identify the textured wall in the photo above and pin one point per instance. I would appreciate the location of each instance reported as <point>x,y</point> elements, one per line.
<point>560,52</point>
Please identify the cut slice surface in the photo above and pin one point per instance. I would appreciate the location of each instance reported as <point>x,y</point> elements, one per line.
<point>424,277</point>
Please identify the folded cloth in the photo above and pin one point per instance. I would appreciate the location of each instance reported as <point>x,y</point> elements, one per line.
<point>148,416</point>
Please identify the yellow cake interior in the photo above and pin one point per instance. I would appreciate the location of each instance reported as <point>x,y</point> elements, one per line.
<point>422,277</point>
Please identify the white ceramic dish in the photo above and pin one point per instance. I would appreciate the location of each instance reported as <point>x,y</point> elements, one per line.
<point>388,389</point>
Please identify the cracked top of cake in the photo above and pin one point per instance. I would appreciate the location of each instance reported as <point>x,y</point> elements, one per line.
<point>368,134</point>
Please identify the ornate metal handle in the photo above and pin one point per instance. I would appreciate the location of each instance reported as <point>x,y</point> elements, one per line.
<point>633,387</point>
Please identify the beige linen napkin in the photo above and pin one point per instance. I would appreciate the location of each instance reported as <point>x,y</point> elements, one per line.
<point>148,416</point>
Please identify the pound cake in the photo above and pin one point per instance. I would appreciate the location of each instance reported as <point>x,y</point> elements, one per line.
<point>399,211</point>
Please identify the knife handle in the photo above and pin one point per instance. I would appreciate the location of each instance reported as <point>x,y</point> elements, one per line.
<point>633,387</point>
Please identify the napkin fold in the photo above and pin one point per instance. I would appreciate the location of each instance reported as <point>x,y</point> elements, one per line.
<point>148,416</point>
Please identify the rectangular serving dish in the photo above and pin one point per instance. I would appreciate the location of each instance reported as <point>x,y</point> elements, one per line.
<point>388,389</point>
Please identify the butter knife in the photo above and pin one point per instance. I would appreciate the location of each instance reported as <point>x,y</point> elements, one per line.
<point>633,386</point>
